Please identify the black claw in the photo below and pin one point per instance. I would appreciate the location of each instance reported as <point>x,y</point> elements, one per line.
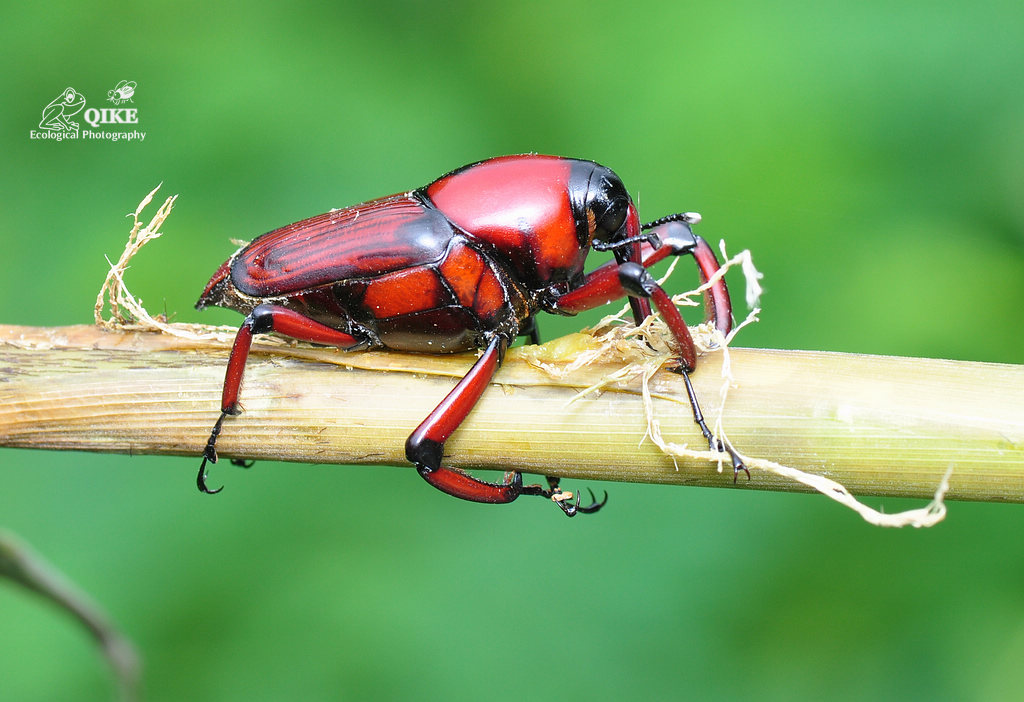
<point>201,478</point>
<point>569,507</point>
<point>737,462</point>
<point>594,504</point>
<point>242,462</point>
<point>210,454</point>
<point>572,507</point>
<point>738,466</point>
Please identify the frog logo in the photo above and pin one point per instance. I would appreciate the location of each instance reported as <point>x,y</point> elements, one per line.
<point>57,115</point>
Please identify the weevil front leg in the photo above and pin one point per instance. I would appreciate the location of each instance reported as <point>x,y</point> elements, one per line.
<point>638,282</point>
<point>669,236</point>
<point>262,320</point>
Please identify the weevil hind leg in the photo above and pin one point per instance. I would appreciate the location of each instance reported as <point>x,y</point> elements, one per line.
<point>425,446</point>
<point>263,319</point>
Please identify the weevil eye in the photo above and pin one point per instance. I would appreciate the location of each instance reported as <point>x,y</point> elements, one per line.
<point>609,222</point>
<point>608,204</point>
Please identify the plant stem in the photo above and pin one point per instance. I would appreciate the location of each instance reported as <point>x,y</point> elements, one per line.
<point>879,425</point>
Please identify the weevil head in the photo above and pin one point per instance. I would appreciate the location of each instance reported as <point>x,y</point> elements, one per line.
<point>611,215</point>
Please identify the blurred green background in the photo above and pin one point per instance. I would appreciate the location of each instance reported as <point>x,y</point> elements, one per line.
<point>871,155</point>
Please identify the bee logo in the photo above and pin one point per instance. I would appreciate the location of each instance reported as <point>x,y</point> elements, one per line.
<point>122,93</point>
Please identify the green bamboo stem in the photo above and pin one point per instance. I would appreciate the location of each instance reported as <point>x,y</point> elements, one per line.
<point>878,425</point>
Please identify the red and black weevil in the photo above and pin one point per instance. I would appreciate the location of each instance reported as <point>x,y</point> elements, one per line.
<point>465,262</point>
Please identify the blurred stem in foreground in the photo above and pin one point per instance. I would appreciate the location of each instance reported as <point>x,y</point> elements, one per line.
<point>27,568</point>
